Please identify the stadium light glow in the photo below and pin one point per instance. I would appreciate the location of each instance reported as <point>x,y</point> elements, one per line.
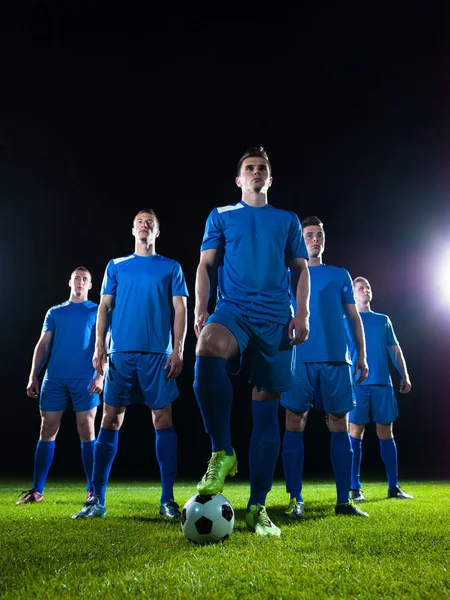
<point>443,277</point>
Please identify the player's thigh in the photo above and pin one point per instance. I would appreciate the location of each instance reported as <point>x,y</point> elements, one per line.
<point>225,334</point>
<point>305,380</point>
<point>82,399</point>
<point>336,386</point>
<point>54,395</point>
<point>384,404</point>
<point>51,420</point>
<point>360,415</point>
<point>271,356</point>
<point>157,390</point>
<point>120,378</point>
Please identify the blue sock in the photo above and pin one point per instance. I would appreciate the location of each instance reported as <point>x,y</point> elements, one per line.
<point>264,449</point>
<point>341,458</point>
<point>388,449</point>
<point>166,453</point>
<point>214,394</point>
<point>104,453</point>
<point>87,458</point>
<point>356,468</point>
<point>293,457</point>
<point>43,459</point>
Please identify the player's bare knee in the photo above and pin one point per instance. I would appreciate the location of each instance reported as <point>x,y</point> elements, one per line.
<point>295,421</point>
<point>385,432</point>
<point>162,418</point>
<point>356,431</point>
<point>216,340</point>
<point>337,423</point>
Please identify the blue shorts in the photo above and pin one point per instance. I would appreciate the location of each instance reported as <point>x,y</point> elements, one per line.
<point>138,378</point>
<point>330,385</point>
<point>378,401</point>
<point>57,393</point>
<point>268,343</point>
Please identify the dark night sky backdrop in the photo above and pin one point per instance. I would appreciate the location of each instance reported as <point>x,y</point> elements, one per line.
<point>103,113</point>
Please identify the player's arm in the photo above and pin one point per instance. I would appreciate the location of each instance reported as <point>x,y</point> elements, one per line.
<point>105,307</point>
<point>39,355</point>
<point>299,326</point>
<point>399,361</point>
<point>204,280</point>
<point>175,360</point>
<point>357,331</point>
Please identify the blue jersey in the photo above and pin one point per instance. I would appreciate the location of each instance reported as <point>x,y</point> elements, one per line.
<point>380,336</point>
<point>144,287</point>
<point>255,245</point>
<point>331,290</point>
<point>73,339</point>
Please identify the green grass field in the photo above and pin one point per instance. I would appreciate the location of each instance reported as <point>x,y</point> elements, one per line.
<point>401,551</point>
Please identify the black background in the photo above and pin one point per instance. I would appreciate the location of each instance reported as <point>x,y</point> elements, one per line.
<point>105,112</point>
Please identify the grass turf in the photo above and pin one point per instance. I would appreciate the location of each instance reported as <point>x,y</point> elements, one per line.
<point>401,551</point>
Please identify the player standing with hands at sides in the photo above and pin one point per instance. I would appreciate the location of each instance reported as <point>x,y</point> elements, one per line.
<point>376,395</point>
<point>144,297</point>
<point>323,371</point>
<point>250,245</point>
<point>69,335</point>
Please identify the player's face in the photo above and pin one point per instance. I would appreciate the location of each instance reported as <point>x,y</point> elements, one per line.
<point>145,228</point>
<point>363,292</point>
<point>254,176</point>
<point>80,282</point>
<point>314,236</point>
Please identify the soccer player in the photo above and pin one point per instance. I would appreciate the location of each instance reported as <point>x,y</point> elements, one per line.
<point>323,372</point>
<point>68,335</point>
<point>144,298</point>
<point>250,244</point>
<point>375,396</point>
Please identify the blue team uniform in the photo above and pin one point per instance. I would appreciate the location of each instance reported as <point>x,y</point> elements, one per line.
<point>69,370</point>
<point>255,245</point>
<point>375,396</point>
<point>323,366</point>
<point>141,329</point>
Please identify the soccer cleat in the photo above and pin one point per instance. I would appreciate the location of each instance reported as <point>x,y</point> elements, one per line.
<point>398,493</point>
<point>349,510</point>
<point>89,495</point>
<point>219,466</point>
<point>30,496</point>
<point>90,510</point>
<point>170,509</point>
<point>357,495</point>
<point>258,521</point>
<point>295,509</point>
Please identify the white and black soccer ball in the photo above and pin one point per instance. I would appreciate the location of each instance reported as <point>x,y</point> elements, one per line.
<point>207,519</point>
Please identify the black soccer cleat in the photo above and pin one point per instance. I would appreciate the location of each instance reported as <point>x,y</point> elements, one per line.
<point>357,495</point>
<point>349,510</point>
<point>398,493</point>
<point>170,509</point>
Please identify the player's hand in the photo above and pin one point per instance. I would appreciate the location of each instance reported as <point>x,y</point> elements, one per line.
<point>96,386</point>
<point>33,387</point>
<point>200,318</point>
<point>298,330</point>
<point>361,366</point>
<point>405,385</point>
<point>99,359</point>
<point>175,362</point>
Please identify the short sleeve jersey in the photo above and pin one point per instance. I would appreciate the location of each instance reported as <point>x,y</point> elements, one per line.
<point>73,340</point>
<point>255,245</point>
<point>142,315</point>
<point>331,290</point>
<point>379,335</point>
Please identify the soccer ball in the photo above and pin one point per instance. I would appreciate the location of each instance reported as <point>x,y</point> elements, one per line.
<point>207,519</point>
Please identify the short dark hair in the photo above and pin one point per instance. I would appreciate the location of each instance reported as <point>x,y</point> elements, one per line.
<point>149,211</point>
<point>256,151</point>
<point>362,279</point>
<point>307,221</point>
<point>84,269</point>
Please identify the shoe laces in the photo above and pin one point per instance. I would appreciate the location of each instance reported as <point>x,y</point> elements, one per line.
<point>262,517</point>
<point>27,492</point>
<point>214,465</point>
